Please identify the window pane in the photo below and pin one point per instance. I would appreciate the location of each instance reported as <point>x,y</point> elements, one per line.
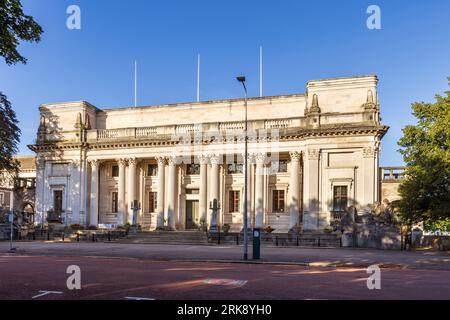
<point>152,170</point>
<point>115,171</point>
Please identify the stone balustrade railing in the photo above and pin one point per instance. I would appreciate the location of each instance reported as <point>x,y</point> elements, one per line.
<point>145,132</point>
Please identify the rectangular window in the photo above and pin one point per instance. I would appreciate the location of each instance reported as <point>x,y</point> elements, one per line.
<point>340,198</point>
<point>152,202</point>
<point>57,201</point>
<point>193,169</point>
<point>152,170</point>
<point>278,201</point>
<point>279,166</point>
<point>115,171</point>
<point>115,201</point>
<point>234,201</point>
<point>235,168</point>
<point>2,199</point>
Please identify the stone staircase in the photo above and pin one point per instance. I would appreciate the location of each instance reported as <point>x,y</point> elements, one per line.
<point>168,237</point>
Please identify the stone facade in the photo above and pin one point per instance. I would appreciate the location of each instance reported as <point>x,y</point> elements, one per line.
<point>17,193</point>
<point>311,156</point>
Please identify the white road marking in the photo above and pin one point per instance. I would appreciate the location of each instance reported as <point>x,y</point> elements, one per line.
<point>45,293</point>
<point>138,298</point>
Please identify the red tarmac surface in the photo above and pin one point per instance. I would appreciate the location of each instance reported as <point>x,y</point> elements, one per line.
<point>23,277</point>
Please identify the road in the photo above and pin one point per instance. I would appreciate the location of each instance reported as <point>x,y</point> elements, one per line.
<point>310,256</point>
<point>25,277</point>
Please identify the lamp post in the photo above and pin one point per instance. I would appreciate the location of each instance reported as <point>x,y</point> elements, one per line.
<point>241,79</point>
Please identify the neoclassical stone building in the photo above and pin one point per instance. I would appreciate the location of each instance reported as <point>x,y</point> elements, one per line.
<point>311,157</point>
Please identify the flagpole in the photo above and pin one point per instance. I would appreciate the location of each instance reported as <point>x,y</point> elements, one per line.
<point>260,71</point>
<point>135,83</point>
<point>198,78</point>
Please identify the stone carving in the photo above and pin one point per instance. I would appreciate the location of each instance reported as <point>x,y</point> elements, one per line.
<point>94,163</point>
<point>295,155</point>
<point>313,154</point>
<point>132,162</point>
<point>315,105</point>
<point>368,152</point>
<point>370,104</point>
<point>161,161</point>
<point>122,162</point>
<point>215,159</point>
<point>203,159</point>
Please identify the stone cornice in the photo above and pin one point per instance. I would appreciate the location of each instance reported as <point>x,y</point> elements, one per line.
<point>290,134</point>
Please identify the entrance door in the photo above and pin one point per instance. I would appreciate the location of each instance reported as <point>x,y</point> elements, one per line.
<point>57,206</point>
<point>192,219</point>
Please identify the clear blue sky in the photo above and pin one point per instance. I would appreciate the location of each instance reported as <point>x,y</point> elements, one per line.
<point>302,40</point>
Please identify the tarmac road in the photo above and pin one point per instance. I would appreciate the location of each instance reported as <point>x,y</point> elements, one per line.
<point>25,277</point>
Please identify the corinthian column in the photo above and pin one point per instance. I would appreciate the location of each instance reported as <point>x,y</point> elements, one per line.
<point>214,195</point>
<point>259,190</point>
<point>171,200</point>
<point>294,182</point>
<point>121,192</point>
<point>203,187</point>
<point>93,219</point>
<point>131,187</point>
<point>160,196</point>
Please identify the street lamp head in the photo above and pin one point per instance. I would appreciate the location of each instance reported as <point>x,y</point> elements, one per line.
<point>240,78</point>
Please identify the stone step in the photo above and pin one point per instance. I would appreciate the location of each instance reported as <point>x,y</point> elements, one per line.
<point>169,237</point>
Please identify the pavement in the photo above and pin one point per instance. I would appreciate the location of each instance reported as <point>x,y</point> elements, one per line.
<point>318,257</point>
<point>46,277</point>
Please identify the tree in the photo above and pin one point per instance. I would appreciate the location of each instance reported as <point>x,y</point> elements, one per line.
<point>9,135</point>
<point>425,147</point>
<point>16,26</point>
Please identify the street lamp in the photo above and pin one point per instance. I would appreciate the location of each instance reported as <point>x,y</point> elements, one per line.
<point>241,79</point>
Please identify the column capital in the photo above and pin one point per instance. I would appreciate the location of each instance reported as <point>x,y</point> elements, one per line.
<point>172,160</point>
<point>132,162</point>
<point>260,158</point>
<point>250,157</point>
<point>215,159</point>
<point>75,163</point>
<point>203,159</point>
<point>40,163</point>
<point>369,152</point>
<point>295,155</point>
<point>94,163</point>
<point>313,154</point>
<point>161,160</point>
<point>122,162</point>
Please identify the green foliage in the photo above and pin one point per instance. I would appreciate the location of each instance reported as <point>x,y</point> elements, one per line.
<point>9,136</point>
<point>425,148</point>
<point>16,26</point>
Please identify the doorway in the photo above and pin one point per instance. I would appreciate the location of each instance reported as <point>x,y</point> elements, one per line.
<point>192,212</point>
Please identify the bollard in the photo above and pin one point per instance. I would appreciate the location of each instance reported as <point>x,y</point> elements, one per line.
<point>93,237</point>
<point>63,236</point>
<point>34,235</point>
<point>318,242</point>
<point>218,239</point>
<point>276,241</point>
<point>48,235</point>
<point>297,242</point>
<point>109,236</point>
<point>237,240</point>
